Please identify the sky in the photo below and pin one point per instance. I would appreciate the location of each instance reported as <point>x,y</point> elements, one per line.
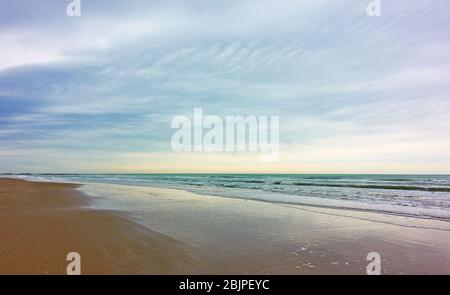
<point>97,93</point>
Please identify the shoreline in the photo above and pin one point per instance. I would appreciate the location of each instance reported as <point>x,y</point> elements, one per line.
<point>415,211</point>
<point>178,232</point>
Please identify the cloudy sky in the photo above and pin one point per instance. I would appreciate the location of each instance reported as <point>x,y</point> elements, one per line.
<point>97,93</point>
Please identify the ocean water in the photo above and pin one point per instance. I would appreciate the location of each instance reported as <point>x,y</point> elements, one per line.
<point>422,196</point>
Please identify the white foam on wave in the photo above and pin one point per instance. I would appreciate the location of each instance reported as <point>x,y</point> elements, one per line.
<point>435,213</point>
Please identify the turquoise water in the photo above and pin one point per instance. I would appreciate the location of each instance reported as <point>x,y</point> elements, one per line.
<point>424,196</point>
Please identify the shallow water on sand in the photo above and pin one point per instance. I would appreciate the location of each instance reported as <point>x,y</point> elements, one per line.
<point>423,196</point>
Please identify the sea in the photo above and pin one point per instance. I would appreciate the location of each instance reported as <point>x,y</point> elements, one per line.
<point>420,196</point>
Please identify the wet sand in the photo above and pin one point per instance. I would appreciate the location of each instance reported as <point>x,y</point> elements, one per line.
<point>173,231</point>
<point>252,237</point>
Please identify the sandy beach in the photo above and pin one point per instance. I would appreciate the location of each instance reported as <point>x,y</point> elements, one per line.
<point>178,232</point>
<point>42,222</point>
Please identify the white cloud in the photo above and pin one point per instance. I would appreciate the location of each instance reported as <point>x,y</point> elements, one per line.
<point>17,50</point>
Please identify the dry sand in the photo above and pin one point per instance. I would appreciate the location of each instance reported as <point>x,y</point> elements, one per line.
<point>41,222</point>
